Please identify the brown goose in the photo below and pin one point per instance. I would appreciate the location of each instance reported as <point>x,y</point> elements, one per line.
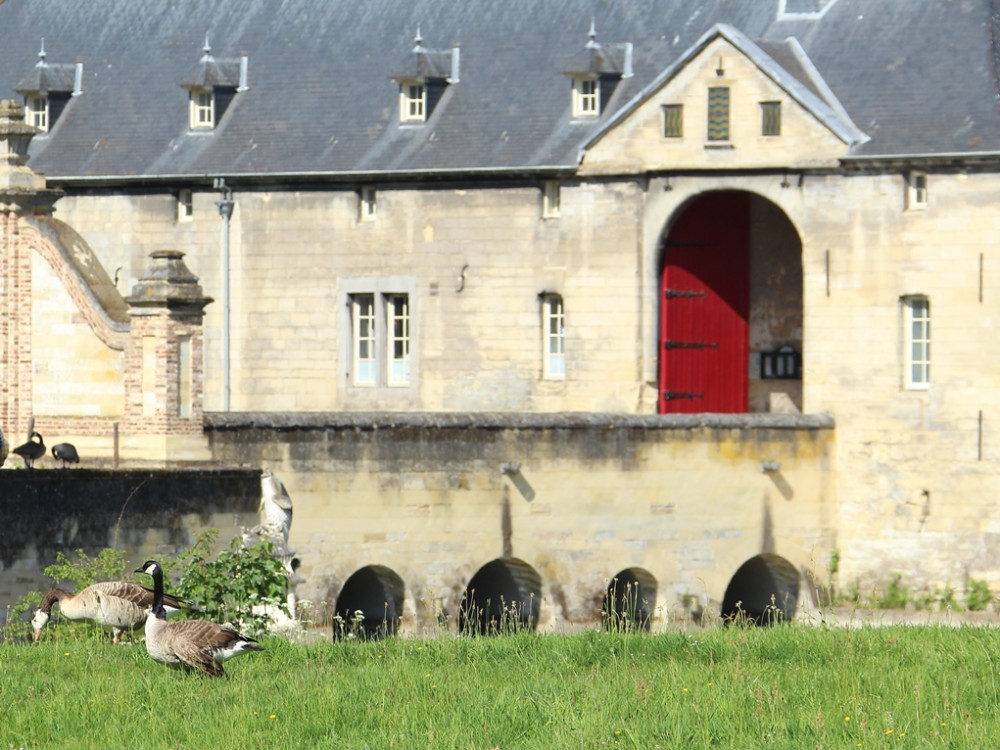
<point>194,644</point>
<point>114,605</point>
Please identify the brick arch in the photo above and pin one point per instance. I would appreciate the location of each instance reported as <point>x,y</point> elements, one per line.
<point>81,273</point>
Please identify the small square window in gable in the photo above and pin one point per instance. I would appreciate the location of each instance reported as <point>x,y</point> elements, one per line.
<point>770,118</point>
<point>673,120</point>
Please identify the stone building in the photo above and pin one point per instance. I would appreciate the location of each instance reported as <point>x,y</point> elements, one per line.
<point>532,220</point>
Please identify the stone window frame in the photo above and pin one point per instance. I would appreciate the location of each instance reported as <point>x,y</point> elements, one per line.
<point>391,351</point>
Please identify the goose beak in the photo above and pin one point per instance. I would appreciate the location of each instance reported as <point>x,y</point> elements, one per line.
<point>38,634</point>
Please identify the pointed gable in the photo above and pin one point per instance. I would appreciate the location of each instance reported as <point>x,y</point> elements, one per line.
<point>727,103</point>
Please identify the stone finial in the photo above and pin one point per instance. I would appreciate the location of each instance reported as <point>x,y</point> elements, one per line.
<point>15,135</point>
<point>168,283</point>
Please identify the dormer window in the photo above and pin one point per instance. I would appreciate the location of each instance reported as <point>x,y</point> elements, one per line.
<point>423,78</point>
<point>202,109</point>
<point>36,111</point>
<point>412,102</point>
<point>596,71</point>
<point>48,90</point>
<point>586,97</point>
<point>212,87</point>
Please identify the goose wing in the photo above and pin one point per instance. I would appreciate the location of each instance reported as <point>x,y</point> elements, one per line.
<point>198,643</point>
<point>138,594</point>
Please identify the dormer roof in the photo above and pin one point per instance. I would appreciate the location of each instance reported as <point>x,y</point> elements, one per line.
<point>46,77</point>
<point>423,64</point>
<point>210,73</point>
<point>596,59</point>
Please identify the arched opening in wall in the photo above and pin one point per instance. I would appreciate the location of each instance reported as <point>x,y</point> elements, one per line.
<point>504,596</point>
<point>763,591</point>
<point>370,604</point>
<point>629,601</point>
<point>730,307</point>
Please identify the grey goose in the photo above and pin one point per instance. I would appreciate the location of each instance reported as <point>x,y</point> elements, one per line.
<point>114,605</point>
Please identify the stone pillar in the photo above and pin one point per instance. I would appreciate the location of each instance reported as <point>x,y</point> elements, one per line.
<point>164,364</point>
<point>22,193</point>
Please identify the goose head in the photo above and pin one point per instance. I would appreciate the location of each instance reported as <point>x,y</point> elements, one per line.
<point>38,621</point>
<point>151,568</point>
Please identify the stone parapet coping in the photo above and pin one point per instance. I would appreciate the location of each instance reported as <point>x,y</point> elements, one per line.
<point>219,421</point>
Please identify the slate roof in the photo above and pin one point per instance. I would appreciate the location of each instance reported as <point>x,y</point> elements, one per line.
<point>917,77</point>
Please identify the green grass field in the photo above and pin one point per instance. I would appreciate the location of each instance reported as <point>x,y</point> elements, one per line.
<point>788,687</point>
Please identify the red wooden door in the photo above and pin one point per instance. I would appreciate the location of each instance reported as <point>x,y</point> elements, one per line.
<point>704,307</point>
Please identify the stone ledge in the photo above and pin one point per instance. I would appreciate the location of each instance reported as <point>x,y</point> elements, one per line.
<point>221,421</point>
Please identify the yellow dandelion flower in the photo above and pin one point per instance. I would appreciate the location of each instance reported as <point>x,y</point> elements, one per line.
<point>273,716</point>
<point>888,732</point>
<point>684,690</point>
<point>66,653</point>
<point>847,718</point>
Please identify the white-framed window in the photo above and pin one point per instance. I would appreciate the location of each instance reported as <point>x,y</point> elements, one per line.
<point>586,97</point>
<point>380,333</point>
<point>551,197</point>
<point>36,111</point>
<point>363,339</point>
<point>916,190</point>
<point>916,342</point>
<point>185,204</point>
<point>398,335</point>
<point>367,204</point>
<point>412,101</point>
<point>553,337</point>
<point>202,109</point>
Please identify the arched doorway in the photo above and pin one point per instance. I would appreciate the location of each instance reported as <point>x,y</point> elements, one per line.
<point>370,605</point>
<point>503,597</point>
<point>730,300</point>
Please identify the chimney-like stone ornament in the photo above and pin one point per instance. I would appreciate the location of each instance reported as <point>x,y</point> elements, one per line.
<point>164,362</point>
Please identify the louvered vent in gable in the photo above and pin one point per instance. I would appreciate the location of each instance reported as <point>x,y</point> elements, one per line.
<point>212,85</point>
<point>596,72</point>
<point>423,78</point>
<point>48,89</point>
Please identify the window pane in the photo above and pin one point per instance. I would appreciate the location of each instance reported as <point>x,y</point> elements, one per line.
<point>770,118</point>
<point>398,306</point>
<point>363,309</point>
<point>718,113</point>
<point>673,121</point>
<point>555,337</point>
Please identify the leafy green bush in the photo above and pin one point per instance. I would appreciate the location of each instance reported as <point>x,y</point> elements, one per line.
<point>109,565</point>
<point>243,585</point>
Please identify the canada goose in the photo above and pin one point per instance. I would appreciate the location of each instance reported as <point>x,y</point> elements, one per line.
<point>65,452</point>
<point>197,644</point>
<point>32,450</point>
<point>114,605</point>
